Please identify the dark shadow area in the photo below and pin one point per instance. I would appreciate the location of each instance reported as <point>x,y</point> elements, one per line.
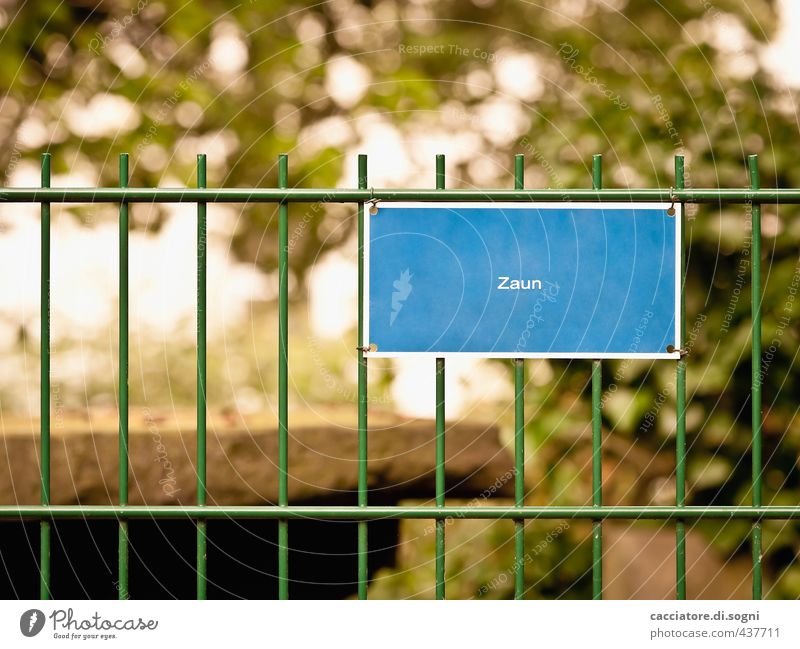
<point>242,558</point>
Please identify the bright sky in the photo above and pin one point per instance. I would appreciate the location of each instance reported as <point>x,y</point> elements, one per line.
<point>781,57</point>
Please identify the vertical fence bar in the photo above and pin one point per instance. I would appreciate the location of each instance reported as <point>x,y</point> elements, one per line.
<point>597,432</point>
<point>44,396</point>
<point>755,392</point>
<point>363,544</point>
<point>283,378</point>
<point>202,405</point>
<point>680,398</point>
<point>519,436</point>
<point>122,585</point>
<point>440,445</point>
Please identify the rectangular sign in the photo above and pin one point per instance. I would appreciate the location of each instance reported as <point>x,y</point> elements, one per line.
<point>523,280</point>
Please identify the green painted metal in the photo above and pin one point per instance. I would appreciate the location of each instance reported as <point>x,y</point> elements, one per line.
<point>44,389</point>
<point>680,407</point>
<point>122,576</point>
<point>597,437</point>
<point>363,542</point>
<point>302,195</point>
<point>755,392</point>
<point>375,512</point>
<point>440,435</point>
<point>679,514</point>
<point>202,405</point>
<point>283,379</point>
<point>519,437</point>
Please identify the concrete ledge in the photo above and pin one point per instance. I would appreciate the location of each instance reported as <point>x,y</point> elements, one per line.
<point>242,458</point>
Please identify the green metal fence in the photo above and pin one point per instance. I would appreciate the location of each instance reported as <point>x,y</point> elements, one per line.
<point>283,195</point>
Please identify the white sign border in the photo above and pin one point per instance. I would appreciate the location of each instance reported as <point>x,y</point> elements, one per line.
<point>575,205</point>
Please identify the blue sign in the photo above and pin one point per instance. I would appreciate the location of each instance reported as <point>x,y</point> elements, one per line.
<point>516,280</point>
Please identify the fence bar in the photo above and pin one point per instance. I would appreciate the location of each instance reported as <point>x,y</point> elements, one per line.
<point>202,405</point>
<point>597,433</point>
<point>44,396</point>
<point>680,398</point>
<point>344,195</point>
<point>363,545</point>
<point>355,513</point>
<point>440,427</point>
<point>283,379</point>
<point>122,576</point>
<point>519,436</point>
<point>755,398</point>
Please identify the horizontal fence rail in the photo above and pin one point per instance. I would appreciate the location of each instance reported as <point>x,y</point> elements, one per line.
<point>301,195</point>
<point>123,196</point>
<point>356,513</point>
